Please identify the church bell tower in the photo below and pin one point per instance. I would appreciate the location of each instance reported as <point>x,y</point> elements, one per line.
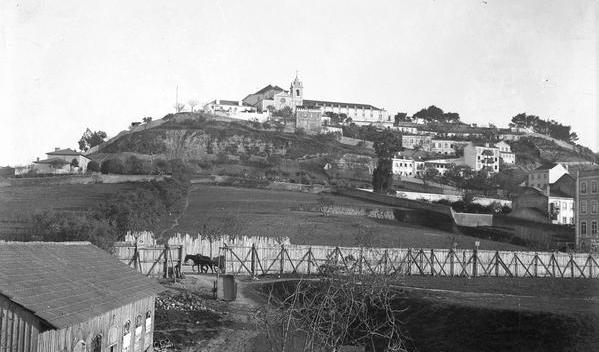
<point>297,92</point>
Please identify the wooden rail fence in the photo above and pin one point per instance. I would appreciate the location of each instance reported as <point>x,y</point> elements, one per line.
<point>297,259</point>
<point>151,260</point>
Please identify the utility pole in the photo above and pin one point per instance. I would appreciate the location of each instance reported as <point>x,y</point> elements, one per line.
<point>177,99</point>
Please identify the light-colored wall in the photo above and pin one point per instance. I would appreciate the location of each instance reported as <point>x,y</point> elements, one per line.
<point>432,197</point>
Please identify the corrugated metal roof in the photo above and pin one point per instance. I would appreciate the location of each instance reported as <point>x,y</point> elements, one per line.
<point>65,283</point>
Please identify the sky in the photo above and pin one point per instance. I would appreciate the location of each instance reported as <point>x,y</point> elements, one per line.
<point>70,65</point>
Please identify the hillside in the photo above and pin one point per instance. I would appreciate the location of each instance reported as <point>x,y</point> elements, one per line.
<point>533,151</point>
<point>216,145</point>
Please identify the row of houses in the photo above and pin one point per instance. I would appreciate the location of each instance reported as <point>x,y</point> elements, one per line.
<point>476,156</point>
<point>554,195</point>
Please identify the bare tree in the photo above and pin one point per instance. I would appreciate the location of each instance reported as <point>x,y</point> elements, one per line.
<point>337,310</point>
<point>179,107</point>
<point>192,103</point>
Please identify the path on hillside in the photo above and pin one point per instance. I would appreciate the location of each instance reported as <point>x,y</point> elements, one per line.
<point>176,220</point>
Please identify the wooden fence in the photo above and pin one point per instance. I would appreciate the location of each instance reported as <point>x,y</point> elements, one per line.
<point>151,260</point>
<point>296,259</point>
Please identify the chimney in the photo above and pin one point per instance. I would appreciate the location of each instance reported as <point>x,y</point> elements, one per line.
<point>56,149</point>
<point>217,101</point>
<point>38,158</point>
<point>240,103</point>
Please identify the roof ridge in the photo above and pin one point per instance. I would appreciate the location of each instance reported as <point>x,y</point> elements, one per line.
<point>65,243</point>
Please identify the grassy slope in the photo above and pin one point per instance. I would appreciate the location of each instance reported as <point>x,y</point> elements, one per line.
<point>279,213</point>
<point>19,202</point>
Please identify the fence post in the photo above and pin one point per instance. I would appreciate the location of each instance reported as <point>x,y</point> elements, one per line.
<point>571,265</point>
<point>451,262</point>
<point>432,262</point>
<point>536,264</point>
<point>385,255</point>
<point>309,258</point>
<point>282,257</point>
<point>253,263</point>
<point>409,261</point>
<point>361,259</point>
<point>474,262</point>
<point>590,266</point>
<point>135,254</point>
<point>497,263</point>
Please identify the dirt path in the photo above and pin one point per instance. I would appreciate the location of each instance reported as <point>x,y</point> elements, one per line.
<point>176,220</point>
<point>235,327</point>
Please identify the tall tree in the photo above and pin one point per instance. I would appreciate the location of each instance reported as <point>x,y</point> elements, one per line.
<point>385,148</point>
<point>179,107</point>
<point>91,139</point>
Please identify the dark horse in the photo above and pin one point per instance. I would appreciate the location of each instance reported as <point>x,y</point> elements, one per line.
<point>204,262</point>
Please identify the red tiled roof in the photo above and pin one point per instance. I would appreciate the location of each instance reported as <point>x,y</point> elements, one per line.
<point>65,283</point>
<point>67,151</point>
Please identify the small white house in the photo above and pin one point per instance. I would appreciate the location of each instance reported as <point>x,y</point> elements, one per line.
<point>61,161</point>
<point>505,152</point>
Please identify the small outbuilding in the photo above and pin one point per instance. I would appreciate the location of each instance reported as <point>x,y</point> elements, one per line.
<point>72,297</point>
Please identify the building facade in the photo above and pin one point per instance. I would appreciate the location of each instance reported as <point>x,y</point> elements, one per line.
<point>417,141</point>
<point>553,206</point>
<point>505,152</point>
<point>59,305</point>
<point>545,174</point>
<point>587,204</point>
<point>308,119</point>
<point>479,157</point>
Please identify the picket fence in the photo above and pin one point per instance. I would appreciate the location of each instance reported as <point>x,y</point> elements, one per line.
<point>297,259</point>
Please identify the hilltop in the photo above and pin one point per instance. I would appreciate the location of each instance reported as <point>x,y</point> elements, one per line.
<point>215,145</point>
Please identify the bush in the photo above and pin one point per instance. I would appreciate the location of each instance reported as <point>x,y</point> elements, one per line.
<point>93,166</point>
<point>161,167</point>
<point>136,166</point>
<point>112,166</point>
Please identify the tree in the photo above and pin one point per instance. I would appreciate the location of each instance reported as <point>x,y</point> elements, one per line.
<point>74,162</point>
<point>179,107</point>
<point>112,166</point>
<point>428,174</point>
<point>91,139</point>
<point>192,104</point>
<point>136,166</point>
<point>286,113</point>
<point>402,116</point>
<point>382,177</point>
<point>93,166</point>
<point>147,119</point>
<point>435,114</point>
<point>387,144</point>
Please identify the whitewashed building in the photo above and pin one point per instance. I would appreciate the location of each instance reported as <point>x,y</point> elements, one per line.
<point>505,152</point>
<point>479,157</point>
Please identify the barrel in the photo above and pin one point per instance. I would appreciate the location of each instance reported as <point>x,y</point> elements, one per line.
<point>227,288</point>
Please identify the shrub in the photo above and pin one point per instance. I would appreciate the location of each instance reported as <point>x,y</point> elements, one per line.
<point>136,166</point>
<point>93,166</point>
<point>161,167</point>
<point>112,166</point>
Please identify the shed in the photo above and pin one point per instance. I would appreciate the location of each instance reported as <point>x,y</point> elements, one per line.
<point>71,297</point>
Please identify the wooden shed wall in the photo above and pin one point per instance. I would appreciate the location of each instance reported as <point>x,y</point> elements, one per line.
<point>65,340</point>
<point>19,328</point>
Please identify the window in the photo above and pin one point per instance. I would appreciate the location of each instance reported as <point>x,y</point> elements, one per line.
<point>594,227</point>
<point>594,187</point>
<point>594,207</point>
<point>564,220</point>
<point>583,227</point>
<point>97,343</point>
<point>583,206</point>
<point>583,187</point>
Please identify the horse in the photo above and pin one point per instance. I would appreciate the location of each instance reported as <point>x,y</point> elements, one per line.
<point>201,261</point>
<point>204,262</point>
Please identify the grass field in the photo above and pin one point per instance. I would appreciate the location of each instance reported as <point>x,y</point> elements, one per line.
<point>17,203</point>
<point>279,213</point>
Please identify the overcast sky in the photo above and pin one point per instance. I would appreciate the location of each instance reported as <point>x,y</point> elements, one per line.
<point>70,64</point>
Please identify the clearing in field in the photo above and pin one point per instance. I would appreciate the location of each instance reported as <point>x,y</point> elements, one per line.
<point>296,215</point>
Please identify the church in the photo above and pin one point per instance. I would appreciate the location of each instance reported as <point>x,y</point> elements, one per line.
<point>274,97</point>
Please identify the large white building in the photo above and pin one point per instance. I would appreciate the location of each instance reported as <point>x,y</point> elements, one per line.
<point>505,152</point>
<point>278,98</point>
<point>479,157</point>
